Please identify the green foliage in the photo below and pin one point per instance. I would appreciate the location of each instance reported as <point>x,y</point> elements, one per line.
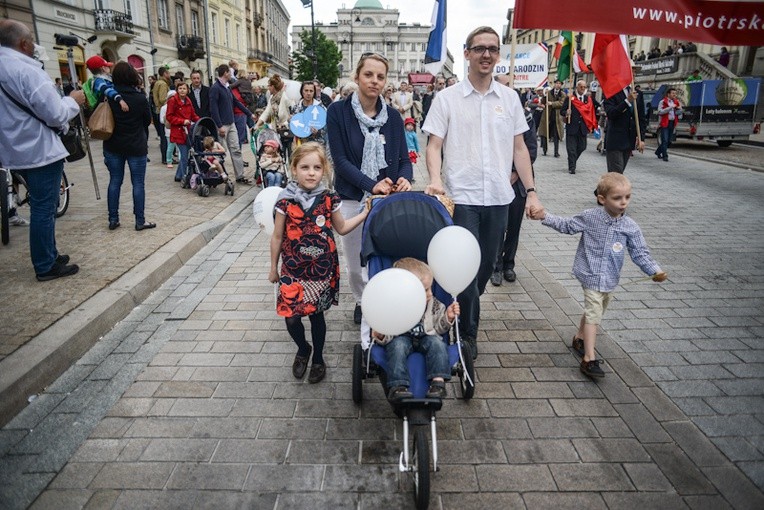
<point>328,54</point>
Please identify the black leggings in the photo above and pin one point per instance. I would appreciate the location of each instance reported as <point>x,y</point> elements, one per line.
<point>317,332</point>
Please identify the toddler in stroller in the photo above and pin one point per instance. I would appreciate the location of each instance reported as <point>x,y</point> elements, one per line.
<point>205,167</point>
<point>214,157</point>
<point>271,164</point>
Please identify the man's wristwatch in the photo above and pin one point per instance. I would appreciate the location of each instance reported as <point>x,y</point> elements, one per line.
<point>530,189</point>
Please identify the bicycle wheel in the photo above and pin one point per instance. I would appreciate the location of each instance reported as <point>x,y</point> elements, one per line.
<point>4,174</point>
<point>421,462</point>
<point>63,196</point>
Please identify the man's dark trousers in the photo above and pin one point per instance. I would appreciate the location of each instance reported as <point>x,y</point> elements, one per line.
<point>617,160</point>
<point>515,212</point>
<point>576,145</point>
<point>487,224</point>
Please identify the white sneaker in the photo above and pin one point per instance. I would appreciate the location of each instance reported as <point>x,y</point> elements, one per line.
<point>18,221</point>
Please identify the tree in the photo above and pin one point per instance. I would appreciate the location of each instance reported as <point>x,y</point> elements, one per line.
<point>328,54</point>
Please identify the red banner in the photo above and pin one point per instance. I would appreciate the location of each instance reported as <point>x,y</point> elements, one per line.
<point>722,22</point>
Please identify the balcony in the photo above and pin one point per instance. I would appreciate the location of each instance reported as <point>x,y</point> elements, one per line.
<point>260,55</point>
<point>191,47</point>
<point>109,21</point>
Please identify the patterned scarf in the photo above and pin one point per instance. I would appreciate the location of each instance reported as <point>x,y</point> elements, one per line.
<point>373,149</point>
<point>302,196</point>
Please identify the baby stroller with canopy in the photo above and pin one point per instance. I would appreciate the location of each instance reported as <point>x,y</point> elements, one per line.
<point>199,174</point>
<point>398,226</point>
<point>257,143</point>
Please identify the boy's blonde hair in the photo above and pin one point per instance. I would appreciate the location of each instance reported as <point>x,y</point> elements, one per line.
<point>208,142</point>
<point>312,148</point>
<point>416,266</point>
<point>609,181</point>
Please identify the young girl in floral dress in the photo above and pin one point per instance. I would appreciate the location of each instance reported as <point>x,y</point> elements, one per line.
<point>306,213</point>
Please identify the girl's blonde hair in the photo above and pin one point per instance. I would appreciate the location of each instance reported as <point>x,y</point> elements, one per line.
<point>308,148</point>
<point>208,142</point>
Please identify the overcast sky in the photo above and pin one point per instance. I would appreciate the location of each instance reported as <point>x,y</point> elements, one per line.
<point>463,16</point>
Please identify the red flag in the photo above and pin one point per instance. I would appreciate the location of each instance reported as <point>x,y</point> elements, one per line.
<point>611,63</point>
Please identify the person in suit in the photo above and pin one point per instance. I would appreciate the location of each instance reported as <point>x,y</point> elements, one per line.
<point>621,132</point>
<point>200,94</point>
<point>403,101</point>
<point>552,130</point>
<point>579,109</point>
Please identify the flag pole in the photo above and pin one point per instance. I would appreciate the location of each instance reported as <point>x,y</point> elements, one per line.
<point>546,95</point>
<point>572,85</point>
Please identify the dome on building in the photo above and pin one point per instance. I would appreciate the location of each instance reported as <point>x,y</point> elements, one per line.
<point>368,4</point>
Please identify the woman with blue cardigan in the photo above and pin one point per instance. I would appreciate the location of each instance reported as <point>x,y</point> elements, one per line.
<point>368,147</point>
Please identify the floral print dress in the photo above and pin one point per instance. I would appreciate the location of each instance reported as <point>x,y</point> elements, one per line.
<point>310,267</point>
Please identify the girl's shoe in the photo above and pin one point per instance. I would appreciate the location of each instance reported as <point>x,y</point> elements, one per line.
<point>300,364</point>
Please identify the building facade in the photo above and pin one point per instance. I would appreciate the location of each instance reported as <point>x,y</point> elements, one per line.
<point>369,27</point>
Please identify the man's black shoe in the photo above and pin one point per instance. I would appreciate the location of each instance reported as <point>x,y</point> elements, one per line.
<point>58,271</point>
<point>557,155</point>
<point>592,368</point>
<point>509,275</point>
<point>62,260</point>
<point>572,171</point>
<point>357,314</point>
<point>496,279</point>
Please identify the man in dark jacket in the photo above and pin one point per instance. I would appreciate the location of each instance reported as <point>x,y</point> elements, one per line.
<point>199,94</point>
<point>221,110</point>
<point>505,262</point>
<point>582,121</point>
<point>621,132</point>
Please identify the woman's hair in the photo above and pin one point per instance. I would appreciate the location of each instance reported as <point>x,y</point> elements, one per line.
<point>477,32</point>
<point>371,56</point>
<point>308,84</point>
<point>125,75</point>
<point>208,142</point>
<point>611,180</point>
<point>182,84</point>
<point>312,148</point>
<point>416,266</point>
<point>276,82</point>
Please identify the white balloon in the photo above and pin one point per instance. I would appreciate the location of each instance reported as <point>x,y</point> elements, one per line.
<point>454,257</point>
<point>262,207</point>
<point>393,301</point>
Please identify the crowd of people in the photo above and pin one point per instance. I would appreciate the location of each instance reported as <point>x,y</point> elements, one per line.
<point>367,148</point>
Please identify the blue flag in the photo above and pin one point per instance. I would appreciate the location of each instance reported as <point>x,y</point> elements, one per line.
<point>437,52</point>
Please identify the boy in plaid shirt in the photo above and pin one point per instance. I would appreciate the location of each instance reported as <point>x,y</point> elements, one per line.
<point>605,233</point>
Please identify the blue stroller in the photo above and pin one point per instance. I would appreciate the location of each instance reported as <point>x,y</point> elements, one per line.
<point>402,225</point>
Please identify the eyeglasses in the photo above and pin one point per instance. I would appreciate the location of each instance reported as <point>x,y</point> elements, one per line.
<point>479,50</point>
<point>373,54</point>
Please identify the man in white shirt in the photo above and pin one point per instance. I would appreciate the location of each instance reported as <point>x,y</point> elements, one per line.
<point>479,125</point>
<point>32,113</point>
<point>403,100</point>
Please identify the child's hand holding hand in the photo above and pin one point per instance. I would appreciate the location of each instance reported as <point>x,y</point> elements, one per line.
<point>660,277</point>
<point>537,213</point>
<point>273,275</point>
<point>377,335</point>
<point>452,311</point>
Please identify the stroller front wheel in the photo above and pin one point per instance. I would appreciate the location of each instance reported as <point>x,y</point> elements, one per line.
<point>421,466</point>
<point>357,374</point>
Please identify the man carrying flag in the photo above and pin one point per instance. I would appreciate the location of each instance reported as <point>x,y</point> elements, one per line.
<point>583,120</point>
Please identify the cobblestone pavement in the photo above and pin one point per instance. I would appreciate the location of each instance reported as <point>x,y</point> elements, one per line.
<point>190,403</point>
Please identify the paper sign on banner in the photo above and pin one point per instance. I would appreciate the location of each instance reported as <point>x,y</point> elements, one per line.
<point>531,65</point>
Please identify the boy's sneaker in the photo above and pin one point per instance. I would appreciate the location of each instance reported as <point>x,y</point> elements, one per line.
<point>437,390</point>
<point>592,368</point>
<point>397,393</point>
<point>18,221</point>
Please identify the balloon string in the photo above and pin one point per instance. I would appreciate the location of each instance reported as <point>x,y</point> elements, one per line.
<point>459,343</point>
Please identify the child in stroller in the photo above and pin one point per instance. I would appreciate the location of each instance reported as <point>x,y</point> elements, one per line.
<point>426,337</point>
<point>214,158</point>
<point>271,163</point>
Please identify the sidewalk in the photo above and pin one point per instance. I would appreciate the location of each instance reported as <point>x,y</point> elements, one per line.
<point>189,402</point>
<point>118,269</point>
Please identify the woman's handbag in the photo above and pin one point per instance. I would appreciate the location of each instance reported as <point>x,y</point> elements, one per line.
<point>101,123</point>
<point>73,144</point>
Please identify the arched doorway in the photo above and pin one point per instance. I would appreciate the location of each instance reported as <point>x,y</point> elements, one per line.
<point>139,64</point>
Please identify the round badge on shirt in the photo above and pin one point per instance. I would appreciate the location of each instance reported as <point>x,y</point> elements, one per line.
<point>617,247</point>
<point>320,220</point>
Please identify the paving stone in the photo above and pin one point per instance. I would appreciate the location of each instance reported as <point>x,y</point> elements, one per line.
<point>700,450</point>
<point>739,387</point>
<point>179,450</point>
<point>733,425</point>
<point>643,500</point>
<point>590,477</point>
<point>133,475</point>
<point>540,451</point>
<point>561,427</point>
<point>215,500</point>
<point>690,389</point>
<point>679,469</point>
<point>659,405</point>
<point>738,449</point>
<point>520,408</point>
<point>693,406</point>
<point>706,502</point>
<point>495,428</point>
<point>641,422</point>
<point>76,475</point>
<point>647,477</point>
<point>610,450</point>
<point>560,501</point>
<point>582,407</point>
<point>497,478</point>
<point>612,427</point>
<point>735,487</point>
<point>541,390</point>
<point>755,471</point>
<point>292,428</point>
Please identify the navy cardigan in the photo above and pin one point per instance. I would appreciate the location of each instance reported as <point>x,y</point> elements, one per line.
<point>346,145</point>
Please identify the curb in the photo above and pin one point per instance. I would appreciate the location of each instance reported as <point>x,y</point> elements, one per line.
<point>32,367</point>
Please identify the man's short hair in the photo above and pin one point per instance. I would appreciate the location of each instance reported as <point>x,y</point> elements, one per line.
<point>558,81</point>
<point>12,33</point>
<point>161,71</point>
<point>222,69</point>
<point>481,30</point>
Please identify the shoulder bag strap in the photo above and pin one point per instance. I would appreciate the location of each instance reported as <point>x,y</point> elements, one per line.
<point>25,108</point>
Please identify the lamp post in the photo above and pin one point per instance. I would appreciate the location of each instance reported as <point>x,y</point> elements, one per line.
<point>357,19</point>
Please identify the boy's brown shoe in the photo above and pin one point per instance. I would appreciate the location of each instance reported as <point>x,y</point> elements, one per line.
<point>592,368</point>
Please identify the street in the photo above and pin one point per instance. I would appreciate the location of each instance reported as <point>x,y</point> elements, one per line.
<point>189,402</point>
